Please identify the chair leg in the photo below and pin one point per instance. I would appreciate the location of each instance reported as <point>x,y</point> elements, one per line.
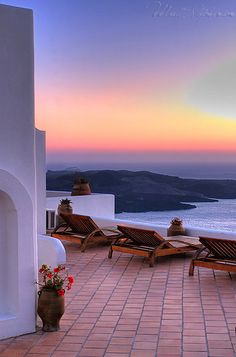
<point>151,260</point>
<point>191,268</point>
<point>110,252</point>
<point>83,245</point>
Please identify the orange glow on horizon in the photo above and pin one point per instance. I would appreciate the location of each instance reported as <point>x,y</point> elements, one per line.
<point>122,124</point>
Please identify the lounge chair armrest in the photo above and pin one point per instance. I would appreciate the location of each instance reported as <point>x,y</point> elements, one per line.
<point>167,241</point>
<point>122,240</point>
<point>112,230</point>
<point>60,226</point>
<point>199,251</point>
<point>104,229</point>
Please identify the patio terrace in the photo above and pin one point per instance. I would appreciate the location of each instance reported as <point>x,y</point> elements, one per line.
<point>123,308</point>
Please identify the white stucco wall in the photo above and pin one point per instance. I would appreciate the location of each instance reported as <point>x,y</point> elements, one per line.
<point>18,248</point>
<point>40,155</point>
<point>17,94</point>
<point>99,205</point>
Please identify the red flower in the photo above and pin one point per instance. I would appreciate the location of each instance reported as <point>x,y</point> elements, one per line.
<point>56,279</point>
<point>61,292</point>
<point>70,279</point>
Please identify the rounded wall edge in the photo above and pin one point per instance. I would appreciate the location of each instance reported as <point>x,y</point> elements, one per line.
<point>50,251</point>
<point>25,269</point>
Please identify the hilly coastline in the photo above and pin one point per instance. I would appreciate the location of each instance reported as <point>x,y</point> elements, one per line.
<point>143,191</point>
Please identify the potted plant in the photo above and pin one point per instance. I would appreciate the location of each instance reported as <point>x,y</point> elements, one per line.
<point>176,228</point>
<point>51,302</point>
<point>64,207</point>
<point>81,187</point>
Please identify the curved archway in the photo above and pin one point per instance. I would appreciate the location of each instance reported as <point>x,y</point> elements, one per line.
<point>17,257</point>
<point>8,254</point>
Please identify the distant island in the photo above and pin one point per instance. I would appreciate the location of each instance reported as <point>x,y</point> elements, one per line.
<point>144,191</point>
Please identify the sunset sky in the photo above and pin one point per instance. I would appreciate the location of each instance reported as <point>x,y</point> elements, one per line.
<point>129,81</point>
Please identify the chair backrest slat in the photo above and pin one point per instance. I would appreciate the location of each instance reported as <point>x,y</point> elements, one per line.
<point>80,224</point>
<point>219,247</point>
<point>141,236</point>
<point>228,250</point>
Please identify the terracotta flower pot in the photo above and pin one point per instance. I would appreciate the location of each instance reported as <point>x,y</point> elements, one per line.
<point>85,189</point>
<point>62,208</point>
<point>65,209</point>
<point>80,189</point>
<point>51,307</point>
<point>175,230</point>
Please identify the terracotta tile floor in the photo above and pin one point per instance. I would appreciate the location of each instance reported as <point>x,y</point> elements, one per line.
<point>123,308</point>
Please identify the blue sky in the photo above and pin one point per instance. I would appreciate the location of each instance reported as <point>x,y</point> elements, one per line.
<point>150,78</point>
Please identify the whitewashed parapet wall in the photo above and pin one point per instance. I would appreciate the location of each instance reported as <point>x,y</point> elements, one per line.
<point>96,204</point>
<point>18,248</point>
<point>190,231</point>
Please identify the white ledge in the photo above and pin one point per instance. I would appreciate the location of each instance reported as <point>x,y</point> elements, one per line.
<point>191,231</point>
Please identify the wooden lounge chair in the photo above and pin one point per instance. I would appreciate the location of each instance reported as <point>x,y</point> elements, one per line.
<point>150,244</point>
<point>220,255</point>
<point>82,229</point>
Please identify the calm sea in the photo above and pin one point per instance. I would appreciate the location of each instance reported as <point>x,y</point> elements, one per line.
<point>215,215</point>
